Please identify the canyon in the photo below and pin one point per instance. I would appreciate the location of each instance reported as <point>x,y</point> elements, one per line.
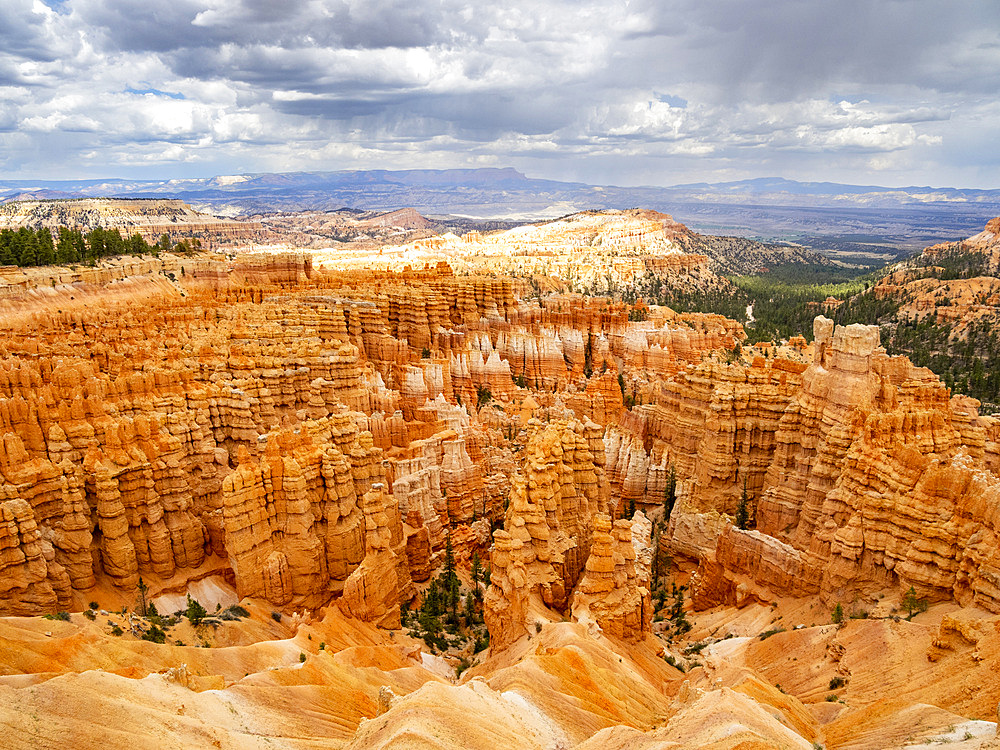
<point>652,534</point>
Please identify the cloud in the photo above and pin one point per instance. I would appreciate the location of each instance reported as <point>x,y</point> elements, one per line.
<point>623,91</point>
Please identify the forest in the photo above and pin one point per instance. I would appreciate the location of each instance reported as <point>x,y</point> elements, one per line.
<point>44,246</point>
<point>787,298</point>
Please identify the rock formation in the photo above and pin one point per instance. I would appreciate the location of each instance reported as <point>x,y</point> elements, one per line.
<point>614,589</point>
<point>848,463</point>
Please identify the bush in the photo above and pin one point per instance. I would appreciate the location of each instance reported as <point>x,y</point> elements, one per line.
<point>836,682</point>
<point>483,396</point>
<point>94,605</point>
<point>838,615</point>
<point>669,659</point>
<point>90,614</point>
<point>155,634</point>
<point>233,612</point>
<point>195,612</point>
<point>116,630</point>
<point>768,633</point>
<point>302,658</point>
<point>482,642</point>
<point>276,616</point>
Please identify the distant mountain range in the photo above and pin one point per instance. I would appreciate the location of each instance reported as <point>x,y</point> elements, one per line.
<point>770,208</point>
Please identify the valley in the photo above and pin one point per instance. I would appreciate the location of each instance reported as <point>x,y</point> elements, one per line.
<point>367,480</point>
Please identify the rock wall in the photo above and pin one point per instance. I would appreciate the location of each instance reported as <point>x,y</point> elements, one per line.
<point>546,544</point>
<point>163,415</point>
<point>863,474</point>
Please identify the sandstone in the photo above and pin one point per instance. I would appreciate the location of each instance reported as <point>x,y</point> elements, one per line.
<point>614,590</point>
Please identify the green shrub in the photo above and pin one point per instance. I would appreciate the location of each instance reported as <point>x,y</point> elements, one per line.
<point>836,682</point>
<point>94,605</point>
<point>276,616</point>
<point>90,614</point>
<point>302,658</point>
<point>155,634</point>
<point>233,612</point>
<point>195,612</point>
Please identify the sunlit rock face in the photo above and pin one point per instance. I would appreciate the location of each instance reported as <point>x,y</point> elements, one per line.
<point>861,471</point>
<point>313,442</point>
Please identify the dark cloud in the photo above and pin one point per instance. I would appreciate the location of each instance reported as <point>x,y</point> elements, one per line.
<point>588,89</point>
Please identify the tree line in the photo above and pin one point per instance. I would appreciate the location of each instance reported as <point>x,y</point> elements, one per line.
<point>45,246</point>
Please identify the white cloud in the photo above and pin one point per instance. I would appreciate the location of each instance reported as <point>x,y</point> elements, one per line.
<point>573,88</point>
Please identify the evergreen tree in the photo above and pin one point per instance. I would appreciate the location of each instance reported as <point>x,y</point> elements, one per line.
<point>137,245</point>
<point>65,249</point>
<point>477,569</point>
<point>7,255</point>
<point>143,589</point>
<point>26,247</point>
<point>79,244</point>
<point>451,581</point>
<point>195,612</point>
<point>95,243</point>
<point>46,248</point>
<point>743,511</point>
<point>670,493</point>
<point>913,604</point>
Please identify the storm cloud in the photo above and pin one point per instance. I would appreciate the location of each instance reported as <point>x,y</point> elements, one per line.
<point>893,92</point>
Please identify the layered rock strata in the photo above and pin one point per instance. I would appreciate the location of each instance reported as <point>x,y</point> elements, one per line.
<point>862,473</point>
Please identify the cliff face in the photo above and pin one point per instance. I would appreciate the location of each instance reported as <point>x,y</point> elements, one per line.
<point>165,417</point>
<point>862,474</point>
<point>556,531</point>
<point>149,218</point>
<point>715,423</point>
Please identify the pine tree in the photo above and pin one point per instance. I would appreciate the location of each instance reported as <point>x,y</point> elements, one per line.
<point>743,511</point>
<point>143,589</point>
<point>669,493</point>
<point>195,612</point>
<point>46,248</point>
<point>913,604</point>
<point>477,569</point>
<point>65,249</point>
<point>451,581</point>
<point>7,255</point>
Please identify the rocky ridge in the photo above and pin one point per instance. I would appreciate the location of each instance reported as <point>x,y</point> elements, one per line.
<point>149,218</point>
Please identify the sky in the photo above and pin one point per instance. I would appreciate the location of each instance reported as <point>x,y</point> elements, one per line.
<point>643,92</point>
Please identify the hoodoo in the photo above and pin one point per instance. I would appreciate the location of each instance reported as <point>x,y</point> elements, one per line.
<point>374,499</point>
